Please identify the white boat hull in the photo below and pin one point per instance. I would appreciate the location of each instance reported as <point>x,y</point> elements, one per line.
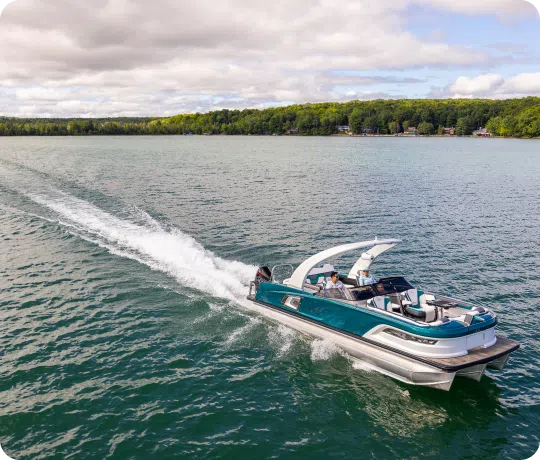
<point>386,362</point>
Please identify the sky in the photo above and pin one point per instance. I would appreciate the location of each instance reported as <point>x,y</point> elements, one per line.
<point>110,58</point>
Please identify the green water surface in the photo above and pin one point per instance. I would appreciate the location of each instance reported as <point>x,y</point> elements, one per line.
<point>125,262</point>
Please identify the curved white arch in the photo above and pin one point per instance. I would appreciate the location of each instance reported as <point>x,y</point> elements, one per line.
<point>368,257</point>
<point>300,274</point>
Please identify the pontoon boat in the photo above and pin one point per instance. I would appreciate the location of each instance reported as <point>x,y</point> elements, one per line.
<point>414,336</point>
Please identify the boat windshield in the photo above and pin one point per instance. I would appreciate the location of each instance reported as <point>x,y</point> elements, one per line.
<point>361,293</point>
<point>387,286</point>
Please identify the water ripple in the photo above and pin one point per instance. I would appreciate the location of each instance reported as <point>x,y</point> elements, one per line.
<point>124,269</point>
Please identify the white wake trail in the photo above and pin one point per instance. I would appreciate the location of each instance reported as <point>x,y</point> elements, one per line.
<point>175,253</point>
<point>172,252</point>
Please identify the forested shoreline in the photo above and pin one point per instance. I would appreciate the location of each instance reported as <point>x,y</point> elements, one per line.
<point>508,118</point>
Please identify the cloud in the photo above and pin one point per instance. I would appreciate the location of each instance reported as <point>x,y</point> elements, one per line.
<point>61,37</point>
<point>525,83</point>
<point>493,86</point>
<point>497,7</point>
<point>134,57</point>
<point>482,84</point>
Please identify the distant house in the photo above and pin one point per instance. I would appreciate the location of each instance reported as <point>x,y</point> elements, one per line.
<point>343,128</point>
<point>449,131</point>
<point>481,132</point>
<point>293,131</point>
<point>367,131</point>
<point>412,130</point>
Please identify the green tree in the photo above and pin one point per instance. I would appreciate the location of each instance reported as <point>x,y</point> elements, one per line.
<point>329,121</point>
<point>393,127</point>
<point>508,125</point>
<point>425,128</point>
<point>512,117</point>
<point>464,126</point>
<point>493,126</point>
<point>275,125</point>
<point>371,122</point>
<point>356,121</point>
<point>308,123</point>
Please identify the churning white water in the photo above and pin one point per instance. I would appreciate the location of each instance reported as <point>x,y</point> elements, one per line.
<point>172,251</point>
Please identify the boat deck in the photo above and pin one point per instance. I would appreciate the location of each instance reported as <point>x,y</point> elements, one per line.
<point>478,355</point>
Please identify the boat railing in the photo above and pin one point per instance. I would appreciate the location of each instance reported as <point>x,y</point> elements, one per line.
<point>274,279</point>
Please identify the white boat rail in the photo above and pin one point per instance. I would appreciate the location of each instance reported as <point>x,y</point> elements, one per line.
<point>280,265</point>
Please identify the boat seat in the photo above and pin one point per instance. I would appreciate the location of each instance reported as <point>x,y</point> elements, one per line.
<point>312,287</point>
<point>423,298</point>
<point>380,302</point>
<point>419,308</point>
<point>427,314</point>
<point>416,313</point>
<point>322,280</point>
<point>395,303</point>
<point>412,296</point>
<point>431,311</point>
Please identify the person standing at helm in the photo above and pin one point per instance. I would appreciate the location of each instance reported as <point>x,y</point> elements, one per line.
<point>365,278</point>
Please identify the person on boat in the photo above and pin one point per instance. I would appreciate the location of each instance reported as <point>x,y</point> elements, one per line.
<point>335,283</point>
<point>365,278</point>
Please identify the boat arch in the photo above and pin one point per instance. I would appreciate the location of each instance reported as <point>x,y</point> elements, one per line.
<point>377,247</point>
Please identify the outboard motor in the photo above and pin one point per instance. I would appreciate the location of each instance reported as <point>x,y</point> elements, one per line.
<point>264,275</point>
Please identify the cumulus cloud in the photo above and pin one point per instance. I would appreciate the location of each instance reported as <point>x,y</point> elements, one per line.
<point>134,57</point>
<point>493,86</point>
<point>482,84</point>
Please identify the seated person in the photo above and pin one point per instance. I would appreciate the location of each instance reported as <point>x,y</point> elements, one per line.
<point>335,283</point>
<point>380,288</point>
<point>364,278</point>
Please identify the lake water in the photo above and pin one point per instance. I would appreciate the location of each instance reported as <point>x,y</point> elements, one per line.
<point>124,269</point>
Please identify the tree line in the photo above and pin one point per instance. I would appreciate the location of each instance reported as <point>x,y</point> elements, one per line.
<point>73,126</point>
<point>510,117</point>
